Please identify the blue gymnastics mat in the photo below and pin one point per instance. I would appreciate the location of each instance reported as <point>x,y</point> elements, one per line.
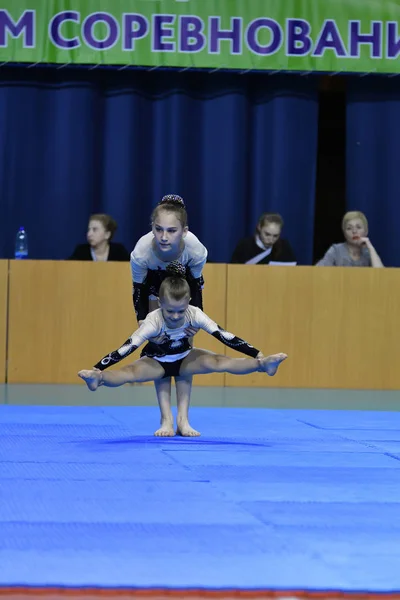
<point>265,499</point>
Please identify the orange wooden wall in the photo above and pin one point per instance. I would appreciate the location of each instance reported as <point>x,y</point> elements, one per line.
<point>339,326</point>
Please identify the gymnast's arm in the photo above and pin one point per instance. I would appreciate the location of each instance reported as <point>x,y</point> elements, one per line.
<point>140,300</point>
<point>140,289</point>
<point>229,339</point>
<point>196,266</point>
<point>147,330</point>
<point>196,292</point>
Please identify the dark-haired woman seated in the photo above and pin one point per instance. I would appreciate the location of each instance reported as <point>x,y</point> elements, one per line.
<point>265,247</point>
<point>101,229</point>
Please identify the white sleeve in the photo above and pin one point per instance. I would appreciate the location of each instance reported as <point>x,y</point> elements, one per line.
<point>138,269</point>
<point>139,254</point>
<point>151,327</point>
<point>197,254</point>
<point>225,337</point>
<point>200,320</point>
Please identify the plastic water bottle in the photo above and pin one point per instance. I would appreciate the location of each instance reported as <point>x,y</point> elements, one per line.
<point>21,244</point>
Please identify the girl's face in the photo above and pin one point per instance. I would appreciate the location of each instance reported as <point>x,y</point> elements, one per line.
<point>174,311</point>
<point>96,233</point>
<point>269,234</point>
<point>354,230</point>
<point>168,232</point>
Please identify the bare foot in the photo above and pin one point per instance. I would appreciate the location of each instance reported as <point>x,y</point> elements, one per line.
<point>270,364</point>
<point>91,378</point>
<point>166,429</point>
<point>184,429</point>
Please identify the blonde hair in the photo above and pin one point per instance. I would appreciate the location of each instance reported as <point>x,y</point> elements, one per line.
<point>175,288</point>
<point>355,214</point>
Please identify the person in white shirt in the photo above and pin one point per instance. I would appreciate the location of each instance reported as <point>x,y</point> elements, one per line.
<point>167,249</point>
<point>175,355</point>
<point>168,243</point>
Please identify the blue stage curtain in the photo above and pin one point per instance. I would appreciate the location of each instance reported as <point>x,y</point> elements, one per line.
<point>373,168</point>
<point>77,142</point>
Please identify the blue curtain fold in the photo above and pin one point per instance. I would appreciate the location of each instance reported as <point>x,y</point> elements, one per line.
<point>372,160</point>
<point>232,145</point>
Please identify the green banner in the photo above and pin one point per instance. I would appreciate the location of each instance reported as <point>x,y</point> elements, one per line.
<point>291,35</point>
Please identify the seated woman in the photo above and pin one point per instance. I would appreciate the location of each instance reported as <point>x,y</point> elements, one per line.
<point>101,230</point>
<point>357,250</point>
<point>265,246</point>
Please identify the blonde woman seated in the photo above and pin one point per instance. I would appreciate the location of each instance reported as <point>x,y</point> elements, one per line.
<point>357,250</point>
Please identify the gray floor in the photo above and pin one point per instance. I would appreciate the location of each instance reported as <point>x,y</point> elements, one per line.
<point>137,395</point>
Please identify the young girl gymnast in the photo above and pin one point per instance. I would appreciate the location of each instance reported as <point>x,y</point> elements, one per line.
<point>169,243</point>
<point>175,356</point>
<point>168,248</point>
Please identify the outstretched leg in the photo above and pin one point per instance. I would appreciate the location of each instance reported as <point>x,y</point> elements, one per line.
<point>163,390</point>
<point>199,362</point>
<point>142,370</point>
<point>183,392</point>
